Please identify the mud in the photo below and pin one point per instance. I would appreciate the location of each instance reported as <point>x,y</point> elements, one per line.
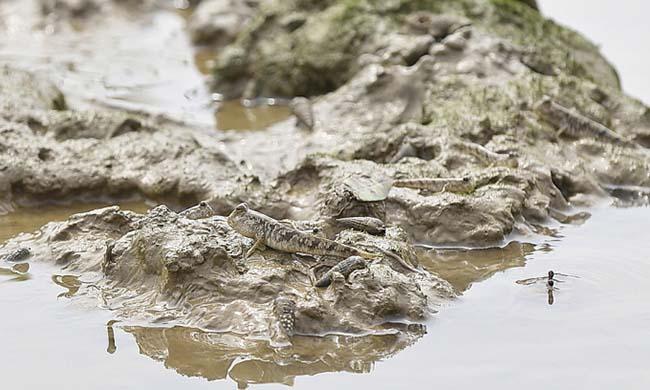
<point>398,91</point>
<point>168,269</point>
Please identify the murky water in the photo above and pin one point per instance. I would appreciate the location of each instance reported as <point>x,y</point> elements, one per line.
<point>501,334</point>
<point>596,334</point>
<point>122,74</point>
<point>28,220</point>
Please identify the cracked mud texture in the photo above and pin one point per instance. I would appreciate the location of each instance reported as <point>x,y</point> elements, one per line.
<point>409,90</point>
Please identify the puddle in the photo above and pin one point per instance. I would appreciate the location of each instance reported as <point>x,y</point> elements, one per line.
<point>234,116</point>
<point>462,267</point>
<point>122,73</point>
<point>105,66</point>
<point>29,220</point>
<point>595,334</point>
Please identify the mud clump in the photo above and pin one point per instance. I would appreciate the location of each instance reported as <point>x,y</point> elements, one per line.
<point>168,269</point>
<point>218,22</point>
<point>50,153</point>
<point>432,125</point>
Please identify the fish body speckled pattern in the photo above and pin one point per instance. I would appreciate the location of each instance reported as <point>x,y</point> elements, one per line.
<point>269,232</point>
<point>285,311</point>
<point>18,255</point>
<point>367,224</point>
<point>577,125</point>
<point>451,184</point>
<point>345,267</point>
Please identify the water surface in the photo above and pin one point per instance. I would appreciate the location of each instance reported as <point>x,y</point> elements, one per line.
<point>596,334</point>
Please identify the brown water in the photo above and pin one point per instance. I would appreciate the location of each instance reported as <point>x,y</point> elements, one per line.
<point>499,333</point>
<point>231,115</point>
<point>28,220</point>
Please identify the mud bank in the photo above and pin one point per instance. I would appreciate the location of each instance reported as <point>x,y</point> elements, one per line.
<point>450,122</point>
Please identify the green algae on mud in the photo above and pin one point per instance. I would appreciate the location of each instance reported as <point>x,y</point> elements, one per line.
<point>322,54</point>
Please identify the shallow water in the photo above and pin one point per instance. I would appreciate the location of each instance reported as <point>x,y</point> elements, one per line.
<point>28,220</point>
<point>97,63</point>
<point>499,333</point>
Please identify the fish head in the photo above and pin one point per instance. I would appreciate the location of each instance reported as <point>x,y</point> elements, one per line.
<point>240,219</point>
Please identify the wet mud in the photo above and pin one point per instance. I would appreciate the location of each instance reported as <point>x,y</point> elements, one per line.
<point>445,126</point>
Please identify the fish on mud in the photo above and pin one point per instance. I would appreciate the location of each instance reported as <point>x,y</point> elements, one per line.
<point>576,125</point>
<point>302,109</point>
<point>486,155</point>
<point>285,312</point>
<point>451,184</point>
<point>274,234</point>
<point>18,255</point>
<point>345,267</point>
<point>369,225</point>
<point>200,211</point>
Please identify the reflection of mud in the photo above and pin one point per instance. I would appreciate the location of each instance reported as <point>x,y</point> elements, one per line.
<point>462,267</point>
<point>75,51</point>
<point>232,115</point>
<point>213,356</point>
<point>19,272</point>
<point>69,282</point>
<point>112,347</point>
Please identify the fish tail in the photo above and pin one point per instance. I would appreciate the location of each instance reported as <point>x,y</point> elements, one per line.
<point>369,255</point>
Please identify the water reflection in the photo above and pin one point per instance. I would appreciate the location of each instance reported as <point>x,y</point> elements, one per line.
<point>70,282</point>
<point>462,267</point>
<point>18,272</point>
<point>214,356</point>
<point>549,281</point>
<point>232,115</point>
<point>550,289</point>
<point>29,220</point>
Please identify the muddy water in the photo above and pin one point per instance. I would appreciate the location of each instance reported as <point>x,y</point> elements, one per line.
<point>28,220</point>
<point>498,333</point>
<point>121,74</point>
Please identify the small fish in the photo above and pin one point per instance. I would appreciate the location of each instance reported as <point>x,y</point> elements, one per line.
<point>274,234</point>
<point>200,211</point>
<point>18,255</point>
<point>367,224</point>
<point>453,184</point>
<point>285,311</point>
<point>345,267</point>
<point>576,125</point>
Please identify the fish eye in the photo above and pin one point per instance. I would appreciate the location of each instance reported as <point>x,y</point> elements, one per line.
<point>241,207</point>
